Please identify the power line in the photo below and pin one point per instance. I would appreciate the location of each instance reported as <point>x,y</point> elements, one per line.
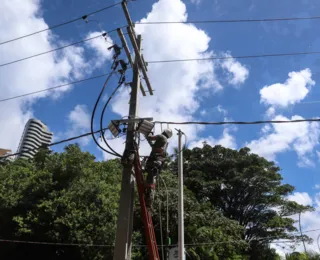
<point>113,152</point>
<point>55,143</point>
<point>187,123</point>
<point>105,245</point>
<point>240,122</point>
<point>173,60</point>
<point>61,24</point>
<point>188,244</point>
<point>57,49</point>
<point>102,116</point>
<point>237,57</point>
<point>295,233</point>
<point>53,243</point>
<point>52,88</point>
<point>233,20</point>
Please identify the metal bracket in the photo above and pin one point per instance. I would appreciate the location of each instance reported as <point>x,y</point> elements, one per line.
<point>135,120</point>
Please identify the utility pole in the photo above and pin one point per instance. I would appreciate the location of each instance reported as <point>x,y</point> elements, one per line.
<point>123,243</point>
<point>304,245</point>
<point>125,219</point>
<point>181,254</point>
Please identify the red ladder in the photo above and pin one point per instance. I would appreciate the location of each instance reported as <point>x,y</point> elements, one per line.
<point>146,215</point>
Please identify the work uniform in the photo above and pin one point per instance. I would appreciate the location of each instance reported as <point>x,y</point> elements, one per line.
<point>154,164</point>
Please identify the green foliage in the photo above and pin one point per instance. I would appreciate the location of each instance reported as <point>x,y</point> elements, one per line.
<point>215,236</point>
<point>310,255</point>
<point>230,201</point>
<point>245,188</point>
<point>296,256</point>
<point>66,198</point>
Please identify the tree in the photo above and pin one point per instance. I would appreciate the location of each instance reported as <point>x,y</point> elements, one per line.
<point>245,188</point>
<point>65,198</point>
<point>208,233</point>
<point>234,201</point>
<point>71,198</point>
<point>303,256</point>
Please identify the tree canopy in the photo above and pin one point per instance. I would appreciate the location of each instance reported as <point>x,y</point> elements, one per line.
<point>235,204</point>
<point>246,188</point>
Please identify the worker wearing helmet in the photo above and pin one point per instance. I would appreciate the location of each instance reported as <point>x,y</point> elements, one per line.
<point>155,162</point>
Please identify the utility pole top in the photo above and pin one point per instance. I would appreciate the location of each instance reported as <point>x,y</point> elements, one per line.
<point>126,49</point>
<point>133,39</point>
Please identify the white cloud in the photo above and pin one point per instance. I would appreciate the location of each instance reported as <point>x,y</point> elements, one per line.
<point>23,17</point>
<point>78,123</point>
<point>115,143</point>
<point>295,89</point>
<point>176,84</point>
<point>203,112</point>
<point>222,110</point>
<point>301,138</point>
<point>237,72</point>
<point>226,140</point>
<point>118,145</point>
<point>266,129</point>
<point>317,187</point>
<point>271,112</point>
<point>100,46</point>
<point>80,117</point>
<point>302,198</point>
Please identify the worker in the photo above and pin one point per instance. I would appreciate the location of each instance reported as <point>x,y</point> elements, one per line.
<point>155,162</point>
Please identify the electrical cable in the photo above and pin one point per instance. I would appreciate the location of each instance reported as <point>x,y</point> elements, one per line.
<point>181,123</point>
<point>100,27</point>
<point>106,245</point>
<point>55,143</point>
<point>295,233</point>
<point>61,24</point>
<point>241,122</point>
<point>59,48</point>
<point>236,57</point>
<point>52,88</point>
<point>53,243</point>
<point>102,116</point>
<point>175,60</point>
<point>233,20</point>
<point>93,113</point>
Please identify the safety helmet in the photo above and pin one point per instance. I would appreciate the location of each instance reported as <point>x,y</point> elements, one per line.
<point>167,132</point>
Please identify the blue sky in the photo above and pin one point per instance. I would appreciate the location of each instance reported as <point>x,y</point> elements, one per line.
<point>243,89</point>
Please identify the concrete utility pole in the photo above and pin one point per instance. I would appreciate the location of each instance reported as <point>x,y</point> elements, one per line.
<point>304,245</point>
<point>125,219</point>
<point>181,254</point>
<point>123,241</point>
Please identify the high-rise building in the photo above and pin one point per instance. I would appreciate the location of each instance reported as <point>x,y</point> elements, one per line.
<point>35,135</point>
